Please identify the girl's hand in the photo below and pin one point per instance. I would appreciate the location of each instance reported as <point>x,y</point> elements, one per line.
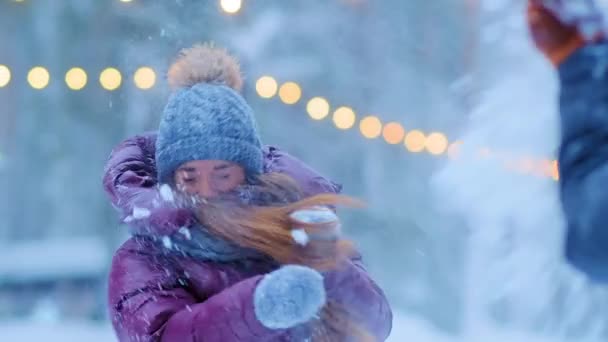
<point>555,39</point>
<point>319,223</point>
<point>289,296</point>
<point>317,232</point>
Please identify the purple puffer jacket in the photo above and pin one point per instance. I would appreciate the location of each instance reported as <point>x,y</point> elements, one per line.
<point>176,297</point>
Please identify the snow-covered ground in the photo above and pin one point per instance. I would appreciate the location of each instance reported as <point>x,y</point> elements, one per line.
<point>407,328</point>
<point>404,329</point>
<point>23,331</point>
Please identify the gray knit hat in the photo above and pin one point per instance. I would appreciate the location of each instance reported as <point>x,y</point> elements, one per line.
<point>206,118</point>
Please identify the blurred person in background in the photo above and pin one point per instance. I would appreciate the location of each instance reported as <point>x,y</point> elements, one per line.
<point>582,64</point>
<point>231,241</point>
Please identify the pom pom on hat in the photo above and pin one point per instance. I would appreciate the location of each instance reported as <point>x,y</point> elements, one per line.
<point>205,63</point>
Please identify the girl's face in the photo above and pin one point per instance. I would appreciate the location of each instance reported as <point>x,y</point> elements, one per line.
<point>209,178</point>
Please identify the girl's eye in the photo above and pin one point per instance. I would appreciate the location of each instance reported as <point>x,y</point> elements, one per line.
<point>222,176</point>
<point>188,180</point>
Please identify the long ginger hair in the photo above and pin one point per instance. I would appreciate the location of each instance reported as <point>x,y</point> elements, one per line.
<point>258,216</point>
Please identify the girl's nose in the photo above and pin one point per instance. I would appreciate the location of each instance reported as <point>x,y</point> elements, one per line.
<point>206,189</point>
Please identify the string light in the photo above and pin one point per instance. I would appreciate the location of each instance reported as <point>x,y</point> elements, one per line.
<point>436,143</point>
<point>393,133</point>
<point>454,149</point>
<point>5,76</point>
<point>231,6</point>
<point>144,78</point>
<point>110,79</point>
<point>525,165</point>
<point>38,78</point>
<point>545,168</point>
<point>317,108</point>
<point>415,141</point>
<point>344,118</point>
<point>555,170</point>
<point>266,87</point>
<point>370,127</point>
<point>290,93</point>
<point>76,78</point>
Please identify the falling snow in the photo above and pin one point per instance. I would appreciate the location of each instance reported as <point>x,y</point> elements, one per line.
<point>140,213</point>
<point>166,193</point>
<point>300,237</point>
<point>185,232</point>
<point>167,242</point>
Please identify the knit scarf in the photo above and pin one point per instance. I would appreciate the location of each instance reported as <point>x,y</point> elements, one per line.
<point>198,242</point>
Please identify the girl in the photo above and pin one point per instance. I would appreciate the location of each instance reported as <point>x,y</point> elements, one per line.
<point>227,244</point>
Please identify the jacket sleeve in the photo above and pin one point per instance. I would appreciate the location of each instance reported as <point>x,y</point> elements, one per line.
<point>130,182</point>
<point>353,289</point>
<point>583,158</point>
<point>147,305</point>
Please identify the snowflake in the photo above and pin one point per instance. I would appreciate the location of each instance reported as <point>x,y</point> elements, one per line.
<point>140,213</point>
<point>166,193</point>
<point>167,242</point>
<point>300,237</point>
<point>185,232</point>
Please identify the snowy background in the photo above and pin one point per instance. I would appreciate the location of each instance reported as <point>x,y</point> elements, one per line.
<point>467,244</point>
